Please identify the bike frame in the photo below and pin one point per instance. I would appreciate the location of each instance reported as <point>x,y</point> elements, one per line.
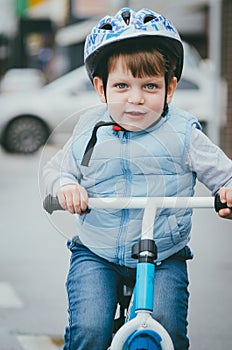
<point>142,331</point>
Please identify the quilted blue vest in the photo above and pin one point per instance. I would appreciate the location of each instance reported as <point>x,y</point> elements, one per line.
<point>144,163</point>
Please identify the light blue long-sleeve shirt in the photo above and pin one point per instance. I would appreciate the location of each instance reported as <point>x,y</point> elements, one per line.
<point>209,162</point>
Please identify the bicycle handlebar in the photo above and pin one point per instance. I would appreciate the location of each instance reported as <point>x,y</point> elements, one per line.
<point>51,203</point>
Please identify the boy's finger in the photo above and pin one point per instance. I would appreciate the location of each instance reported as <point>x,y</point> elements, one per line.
<point>84,200</point>
<point>229,198</point>
<point>76,201</point>
<point>222,193</point>
<point>69,203</point>
<point>62,200</point>
<point>225,213</point>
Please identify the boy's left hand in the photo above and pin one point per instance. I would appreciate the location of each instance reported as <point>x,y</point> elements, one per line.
<point>226,197</point>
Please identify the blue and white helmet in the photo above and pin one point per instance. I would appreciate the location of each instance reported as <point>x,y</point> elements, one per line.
<point>129,25</point>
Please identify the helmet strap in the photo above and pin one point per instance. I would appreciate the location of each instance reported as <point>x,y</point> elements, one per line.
<point>104,80</point>
<point>92,142</point>
<point>165,109</point>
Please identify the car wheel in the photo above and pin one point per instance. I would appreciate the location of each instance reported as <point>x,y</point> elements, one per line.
<point>25,135</point>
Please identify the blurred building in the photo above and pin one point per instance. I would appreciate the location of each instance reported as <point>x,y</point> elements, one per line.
<point>50,35</point>
<point>27,28</point>
<point>7,30</point>
<point>226,132</point>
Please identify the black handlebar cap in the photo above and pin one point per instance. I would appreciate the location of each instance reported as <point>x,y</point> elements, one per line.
<point>51,203</point>
<point>218,205</point>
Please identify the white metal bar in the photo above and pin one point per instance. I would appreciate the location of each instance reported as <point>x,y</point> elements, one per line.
<point>149,219</point>
<point>158,202</point>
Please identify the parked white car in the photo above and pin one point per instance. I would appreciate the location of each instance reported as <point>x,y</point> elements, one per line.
<point>22,79</point>
<point>27,119</point>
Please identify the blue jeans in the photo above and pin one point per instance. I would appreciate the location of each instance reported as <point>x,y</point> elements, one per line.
<point>92,287</point>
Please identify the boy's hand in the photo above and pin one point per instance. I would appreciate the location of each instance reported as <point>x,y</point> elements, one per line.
<point>73,198</point>
<point>226,197</point>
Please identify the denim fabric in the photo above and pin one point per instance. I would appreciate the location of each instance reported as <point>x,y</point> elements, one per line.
<point>92,286</point>
<point>171,297</point>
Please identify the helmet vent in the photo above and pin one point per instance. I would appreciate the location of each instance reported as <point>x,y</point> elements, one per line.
<point>126,17</point>
<point>106,26</point>
<point>148,18</point>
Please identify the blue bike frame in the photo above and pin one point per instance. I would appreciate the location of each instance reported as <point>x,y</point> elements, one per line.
<point>141,331</point>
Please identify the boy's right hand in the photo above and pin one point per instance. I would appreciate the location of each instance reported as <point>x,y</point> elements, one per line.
<point>73,198</point>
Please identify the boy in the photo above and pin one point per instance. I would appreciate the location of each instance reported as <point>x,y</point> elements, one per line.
<point>136,145</point>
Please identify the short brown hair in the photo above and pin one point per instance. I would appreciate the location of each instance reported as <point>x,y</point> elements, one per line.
<point>140,61</point>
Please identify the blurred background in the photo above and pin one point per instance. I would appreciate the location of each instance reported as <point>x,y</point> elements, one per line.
<point>43,86</point>
<point>42,40</point>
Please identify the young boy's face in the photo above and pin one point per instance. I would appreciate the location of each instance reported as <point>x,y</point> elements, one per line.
<point>134,103</point>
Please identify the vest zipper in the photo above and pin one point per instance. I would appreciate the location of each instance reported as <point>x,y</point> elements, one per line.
<point>125,212</point>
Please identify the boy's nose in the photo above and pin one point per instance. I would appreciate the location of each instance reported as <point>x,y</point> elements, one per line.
<point>136,97</point>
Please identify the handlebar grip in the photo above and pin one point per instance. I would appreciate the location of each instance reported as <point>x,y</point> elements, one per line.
<point>218,205</point>
<point>51,203</point>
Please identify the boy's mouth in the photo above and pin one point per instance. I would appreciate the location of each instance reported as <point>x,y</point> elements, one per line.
<point>133,114</point>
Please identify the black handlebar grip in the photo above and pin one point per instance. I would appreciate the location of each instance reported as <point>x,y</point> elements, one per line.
<point>218,204</point>
<point>51,203</point>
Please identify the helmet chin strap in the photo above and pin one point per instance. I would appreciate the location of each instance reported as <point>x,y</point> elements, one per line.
<point>90,146</point>
<point>165,110</point>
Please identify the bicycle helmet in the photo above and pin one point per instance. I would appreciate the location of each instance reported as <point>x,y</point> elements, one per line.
<point>130,25</point>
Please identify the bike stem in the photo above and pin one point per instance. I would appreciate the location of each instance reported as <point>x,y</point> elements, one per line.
<point>146,252</point>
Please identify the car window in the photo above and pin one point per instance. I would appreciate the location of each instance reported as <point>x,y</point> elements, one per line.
<point>185,84</point>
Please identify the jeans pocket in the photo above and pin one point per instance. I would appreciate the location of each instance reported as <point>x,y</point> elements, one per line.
<point>74,244</point>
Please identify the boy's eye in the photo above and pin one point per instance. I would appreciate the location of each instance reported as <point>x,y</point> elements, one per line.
<point>150,86</point>
<point>121,86</point>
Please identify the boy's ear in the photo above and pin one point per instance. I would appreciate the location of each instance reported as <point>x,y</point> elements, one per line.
<point>99,87</point>
<point>171,89</point>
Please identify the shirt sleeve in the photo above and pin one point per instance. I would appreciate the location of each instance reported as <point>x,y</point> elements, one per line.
<point>211,165</point>
<point>61,170</point>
